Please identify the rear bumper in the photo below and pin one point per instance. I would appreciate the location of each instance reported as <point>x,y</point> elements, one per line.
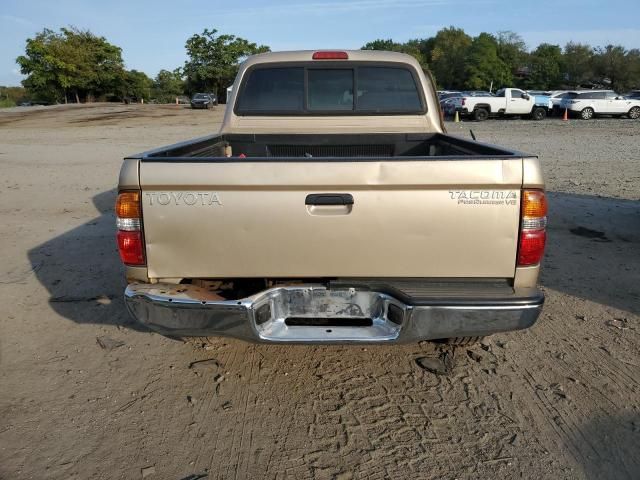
<point>315,314</point>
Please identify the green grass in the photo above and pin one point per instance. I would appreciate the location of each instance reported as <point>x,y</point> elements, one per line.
<point>7,102</point>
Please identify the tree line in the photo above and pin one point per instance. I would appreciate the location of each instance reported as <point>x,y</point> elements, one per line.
<point>74,65</point>
<point>459,61</point>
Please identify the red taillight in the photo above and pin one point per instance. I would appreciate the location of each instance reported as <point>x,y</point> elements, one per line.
<point>531,247</point>
<point>330,56</point>
<point>464,100</point>
<point>533,226</point>
<point>129,224</point>
<point>130,247</point>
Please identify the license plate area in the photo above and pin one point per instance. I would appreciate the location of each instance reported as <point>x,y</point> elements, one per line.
<point>317,314</point>
<point>327,322</point>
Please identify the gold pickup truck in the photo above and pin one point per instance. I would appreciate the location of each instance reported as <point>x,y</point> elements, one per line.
<point>332,207</point>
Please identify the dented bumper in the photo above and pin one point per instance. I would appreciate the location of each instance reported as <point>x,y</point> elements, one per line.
<point>316,314</point>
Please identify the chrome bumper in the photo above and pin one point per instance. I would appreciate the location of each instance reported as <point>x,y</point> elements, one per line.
<point>315,314</point>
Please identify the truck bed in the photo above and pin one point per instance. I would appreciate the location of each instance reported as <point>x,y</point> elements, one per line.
<point>329,147</point>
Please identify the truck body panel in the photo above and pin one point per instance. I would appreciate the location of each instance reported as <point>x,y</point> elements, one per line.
<point>437,217</point>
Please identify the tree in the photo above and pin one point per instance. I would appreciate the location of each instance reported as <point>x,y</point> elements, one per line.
<point>137,85</point>
<point>168,85</point>
<point>617,66</point>
<point>412,47</point>
<point>577,61</point>
<point>73,62</point>
<point>379,44</point>
<point>48,65</point>
<point>483,66</point>
<point>10,96</point>
<point>448,56</point>
<point>214,59</point>
<point>512,50</point>
<point>545,67</point>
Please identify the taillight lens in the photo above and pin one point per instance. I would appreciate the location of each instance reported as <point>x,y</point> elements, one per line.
<point>531,247</point>
<point>130,247</point>
<point>533,227</point>
<point>129,224</point>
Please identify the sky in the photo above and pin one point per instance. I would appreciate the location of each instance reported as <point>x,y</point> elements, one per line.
<point>152,33</point>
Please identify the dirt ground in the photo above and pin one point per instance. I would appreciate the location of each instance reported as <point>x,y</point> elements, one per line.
<point>86,394</point>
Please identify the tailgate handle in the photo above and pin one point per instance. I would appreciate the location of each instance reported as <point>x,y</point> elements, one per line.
<point>329,199</point>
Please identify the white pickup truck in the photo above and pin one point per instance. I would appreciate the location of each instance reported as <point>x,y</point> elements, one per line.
<point>506,102</point>
<point>332,207</point>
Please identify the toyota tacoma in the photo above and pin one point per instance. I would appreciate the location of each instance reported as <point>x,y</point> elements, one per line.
<point>332,207</point>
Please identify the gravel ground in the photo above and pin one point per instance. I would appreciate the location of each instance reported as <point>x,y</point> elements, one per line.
<point>84,394</point>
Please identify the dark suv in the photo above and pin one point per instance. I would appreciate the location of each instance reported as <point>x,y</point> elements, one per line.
<point>203,100</point>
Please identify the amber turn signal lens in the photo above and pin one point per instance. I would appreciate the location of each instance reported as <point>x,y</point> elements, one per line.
<point>128,205</point>
<point>534,204</point>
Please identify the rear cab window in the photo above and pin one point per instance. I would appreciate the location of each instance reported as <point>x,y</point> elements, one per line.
<point>273,90</point>
<point>310,89</point>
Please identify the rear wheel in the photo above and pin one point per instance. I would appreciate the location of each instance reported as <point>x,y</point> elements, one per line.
<point>539,113</point>
<point>480,114</point>
<point>634,113</point>
<point>462,341</point>
<point>586,113</point>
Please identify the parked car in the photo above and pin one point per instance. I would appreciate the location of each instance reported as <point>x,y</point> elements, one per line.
<point>478,93</point>
<point>556,99</point>
<point>33,103</point>
<point>303,221</point>
<point>448,106</point>
<point>591,103</point>
<point>506,102</point>
<point>202,100</point>
<point>449,94</point>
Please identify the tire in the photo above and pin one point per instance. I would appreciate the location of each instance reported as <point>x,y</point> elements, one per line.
<point>539,113</point>
<point>462,341</point>
<point>587,113</point>
<point>480,114</point>
<point>634,113</point>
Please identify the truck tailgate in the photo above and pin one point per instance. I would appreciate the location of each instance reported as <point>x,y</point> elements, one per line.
<point>435,218</point>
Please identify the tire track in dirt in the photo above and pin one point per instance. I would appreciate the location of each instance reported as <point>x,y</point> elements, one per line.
<point>561,402</point>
